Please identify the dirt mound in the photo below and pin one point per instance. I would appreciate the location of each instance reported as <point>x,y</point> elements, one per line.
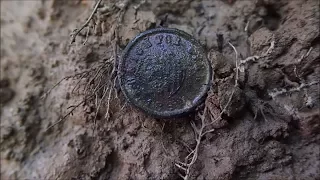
<point>269,128</point>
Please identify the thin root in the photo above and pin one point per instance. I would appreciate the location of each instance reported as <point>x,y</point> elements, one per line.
<point>107,115</point>
<point>98,108</point>
<point>65,116</point>
<point>237,64</point>
<point>58,83</point>
<point>77,31</point>
<point>199,132</point>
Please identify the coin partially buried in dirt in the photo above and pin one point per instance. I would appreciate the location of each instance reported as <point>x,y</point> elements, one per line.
<point>164,72</point>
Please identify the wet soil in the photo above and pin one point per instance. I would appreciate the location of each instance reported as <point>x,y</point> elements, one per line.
<point>270,130</point>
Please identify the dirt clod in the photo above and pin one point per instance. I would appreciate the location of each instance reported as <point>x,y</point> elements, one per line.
<point>6,95</point>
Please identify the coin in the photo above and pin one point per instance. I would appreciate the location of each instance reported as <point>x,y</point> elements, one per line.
<point>164,72</point>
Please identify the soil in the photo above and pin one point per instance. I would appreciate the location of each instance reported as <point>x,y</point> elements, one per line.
<point>269,130</point>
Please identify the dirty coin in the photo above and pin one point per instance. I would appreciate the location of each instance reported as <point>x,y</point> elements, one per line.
<point>164,72</point>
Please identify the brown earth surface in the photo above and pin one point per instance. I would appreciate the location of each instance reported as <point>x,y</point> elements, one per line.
<point>269,130</point>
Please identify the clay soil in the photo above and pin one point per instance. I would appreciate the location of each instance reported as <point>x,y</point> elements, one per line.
<point>270,129</point>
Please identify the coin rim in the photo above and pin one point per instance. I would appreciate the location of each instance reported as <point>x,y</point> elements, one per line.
<point>176,112</point>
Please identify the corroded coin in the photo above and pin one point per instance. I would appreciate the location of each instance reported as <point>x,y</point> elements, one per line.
<point>164,72</point>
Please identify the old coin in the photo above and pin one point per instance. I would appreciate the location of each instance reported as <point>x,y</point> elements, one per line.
<point>164,72</point>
